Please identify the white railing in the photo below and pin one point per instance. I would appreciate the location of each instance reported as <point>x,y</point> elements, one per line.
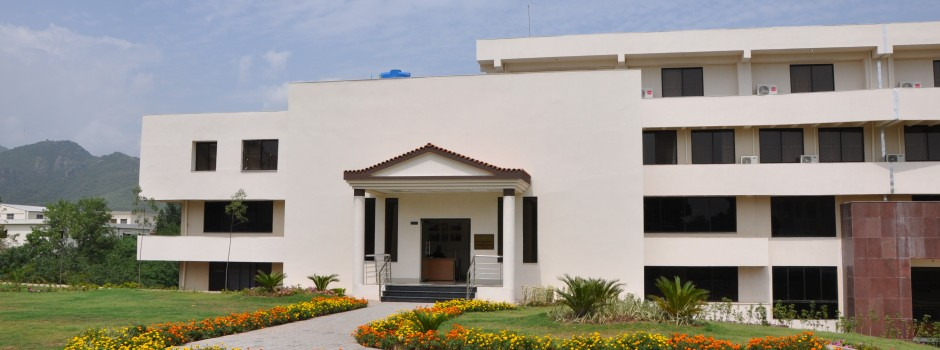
<point>378,271</point>
<point>483,267</point>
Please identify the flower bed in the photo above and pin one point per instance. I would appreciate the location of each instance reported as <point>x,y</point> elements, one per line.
<point>161,336</point>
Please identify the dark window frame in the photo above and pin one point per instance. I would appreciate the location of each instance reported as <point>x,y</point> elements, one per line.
<point>654,142</point>
<point>921,143</point>
<point>241,274</point>
<point>369,229</point>
<point>936,73</point>
<point>205,155</point>
<point>499,228</point>
<point>689,81</point>
<point>775,145</point>
<point>838,145</point>
<point>391,228</point>
<point>674,215</point>
<point>821,78</point>
<point>530,230</point>
<point>802,216</point>
<point>260,154</point>
<point>719,281</point>
<point>260,216</point>
<point>794,285</point>
<point>709,147</point>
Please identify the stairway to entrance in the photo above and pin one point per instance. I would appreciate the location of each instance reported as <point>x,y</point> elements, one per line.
<point>426,293</point>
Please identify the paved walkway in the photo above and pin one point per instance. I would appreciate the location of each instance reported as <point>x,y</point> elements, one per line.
<point>324,332</point>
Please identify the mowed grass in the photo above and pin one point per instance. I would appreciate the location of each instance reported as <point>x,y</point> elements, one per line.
<point>48,320</point>
<point>535,321</point>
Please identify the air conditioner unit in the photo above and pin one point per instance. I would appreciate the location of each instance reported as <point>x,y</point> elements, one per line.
<point>748,159</point>
<point>766,89</point>
<point>809,158</point>
<point>894,158</point>
<point>910,84</point>
<point>647,93</point>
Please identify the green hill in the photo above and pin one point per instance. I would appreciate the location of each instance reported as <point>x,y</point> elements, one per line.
<point>47,171</point>
<point>3,148</point>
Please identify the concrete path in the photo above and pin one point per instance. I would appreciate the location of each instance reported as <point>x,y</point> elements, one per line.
<point>324,332</point>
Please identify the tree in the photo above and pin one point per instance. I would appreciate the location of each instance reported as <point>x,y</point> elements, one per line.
<point>76,235</point>
<point>236,211</point>
<point>169,219</point>
<point>143,206</point>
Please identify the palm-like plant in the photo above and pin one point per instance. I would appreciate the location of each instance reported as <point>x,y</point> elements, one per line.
<point>428,321</point>
<point>322,282</point>
<point>269,282</point>
<point>681,302</point>
<point>585,296</point>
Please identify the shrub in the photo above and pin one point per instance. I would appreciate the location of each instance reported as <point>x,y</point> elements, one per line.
<point>585,296</point>
<point>538,295</point>
<point>681,302</point>
<point>428,320</point>
<point>269,282</point>
<point>802,341</point>
<point>322,282</point>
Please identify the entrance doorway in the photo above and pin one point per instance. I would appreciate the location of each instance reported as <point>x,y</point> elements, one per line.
<point>445,250</point>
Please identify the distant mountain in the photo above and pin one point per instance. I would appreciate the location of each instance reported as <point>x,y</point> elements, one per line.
<point>3,148</point>
<point>47,171</point>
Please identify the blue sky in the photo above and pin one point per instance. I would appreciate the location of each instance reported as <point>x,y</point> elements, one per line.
<point>88,70</point>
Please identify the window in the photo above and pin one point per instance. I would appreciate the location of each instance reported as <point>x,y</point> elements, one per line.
<point>499,228</point>
<point>926,198</point>
<point>936,73</point>
<point>259,155</point>
<point>391,228</point>
<point>811,78</point>
<point>123,221</point>
<point>113,221</point>
<point>922,143</point>
<point>803,216</point>
<point>205,156</point>
<point>689,214</point>
<point>40,216</point>
<point>841,145</point>
<point>10,216</point>
<point>781,145</point>
<point>530,230</point>
<point>659,147</point>
<point>683,82</point>
<point>713,146</point>
<point>804,285</point>
<point>721,282</point>
<point>241,275</point>
<point>370,228</point>
<point>260,215</point>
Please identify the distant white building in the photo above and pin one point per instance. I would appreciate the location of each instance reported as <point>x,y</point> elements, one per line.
<point>127,223</point>
<point>19,220</point>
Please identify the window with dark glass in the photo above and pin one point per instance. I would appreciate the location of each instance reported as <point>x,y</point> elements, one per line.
<point>713,146</point>
<point>926,198</point>
<point>659,147</point>
<point>370,228</point>
<point>260,215</point>
<point>720,282</point>
<point>803,286</point>
<point>205,156</point>
<point>391,228</point>
<point>781,145</point>
<point>841,145</point>
<point>922,143</point>
<point>530,230</point>
<point>241,275</point>
<point>683,82</point>
<point>803,216</point>
<point>499,227</point>
<point>811,78</point>
<point>689,214</point>
<point>936,73</point>
<point>259,155</point>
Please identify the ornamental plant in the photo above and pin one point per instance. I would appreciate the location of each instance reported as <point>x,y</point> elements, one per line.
<point>269,282</point>
<point>681,302</point>
<point>586,296</point>
<point>322,282</point>
<point>802,341</point>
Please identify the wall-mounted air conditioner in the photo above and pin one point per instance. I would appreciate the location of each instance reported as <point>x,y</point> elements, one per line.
<point>910,85</point>
<point>809,158</point>
<point>647,93</point>
<point>894,158</point>
<point>749,160</point>
<point>766,89</point>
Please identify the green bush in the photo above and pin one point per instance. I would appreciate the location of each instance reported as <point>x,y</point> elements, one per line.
<point>681,302</point>
<point>269,282</point>
<point>322,282</point>
<point>585,296</point>
<point>429,321</point>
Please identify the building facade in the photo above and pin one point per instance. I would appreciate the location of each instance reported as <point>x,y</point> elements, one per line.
<point>16,221</point>
<point>720,156</point>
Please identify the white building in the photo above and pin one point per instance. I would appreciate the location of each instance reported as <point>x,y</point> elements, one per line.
<point>721,156</point>
<point>18,220</point>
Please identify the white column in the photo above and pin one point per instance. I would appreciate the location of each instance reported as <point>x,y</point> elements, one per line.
<point>509,241</point>
<point>359,237</point>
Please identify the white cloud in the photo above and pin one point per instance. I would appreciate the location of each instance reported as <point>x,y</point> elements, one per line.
<point>277,60</point>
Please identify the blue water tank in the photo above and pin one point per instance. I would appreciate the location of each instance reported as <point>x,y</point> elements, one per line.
<point>395,73</point>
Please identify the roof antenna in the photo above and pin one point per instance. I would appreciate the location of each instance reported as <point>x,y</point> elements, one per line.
<point>528,14</point>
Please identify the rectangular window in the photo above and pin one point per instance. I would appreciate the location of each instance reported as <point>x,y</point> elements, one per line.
<point>689,214</point>
<point>802,286</point>
<point>811,78</point>
<point>10,216</point>
<point>40,216</point>
<point>499,228</point>
<point>721,282</point>
<point>241,275</point>
<point>659,147</point>
<point>205,156</point>
<point>713,146</point>
<point>259,154</point>
<point>370,228</point>
<point>781,145</point>
<point>530,229</point>
<point>922,143</point>
<point>841,145</point>
<point>683,82</point>
<point>260,215</point>
<point>803,216</point>
<point>926,198</point>
<point>936,73</point>
<point>391,228</point>
<point>123,221</point>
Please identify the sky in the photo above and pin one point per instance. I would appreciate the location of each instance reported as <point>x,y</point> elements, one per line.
<point>87,71</point>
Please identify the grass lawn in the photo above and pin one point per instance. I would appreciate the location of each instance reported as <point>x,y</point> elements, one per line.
<point>48,320</point>
<point>535,321</point>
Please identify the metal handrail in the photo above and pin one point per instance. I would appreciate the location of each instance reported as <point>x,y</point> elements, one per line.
<point>381,270</point>
<point>487,268</point>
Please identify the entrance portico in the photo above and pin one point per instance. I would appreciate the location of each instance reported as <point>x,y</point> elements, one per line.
<point>434,186</point>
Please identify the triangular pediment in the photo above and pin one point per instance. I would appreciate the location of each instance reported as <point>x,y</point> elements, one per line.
<point>430,164</point>
<point>431,161</point>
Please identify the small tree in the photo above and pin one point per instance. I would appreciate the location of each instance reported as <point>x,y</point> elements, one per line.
<point>322,282</point>
<point>236,211</point>
<point>269,281</point>
<point>169,219</point>
<point>681,302</point>
<point>586,296</point>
